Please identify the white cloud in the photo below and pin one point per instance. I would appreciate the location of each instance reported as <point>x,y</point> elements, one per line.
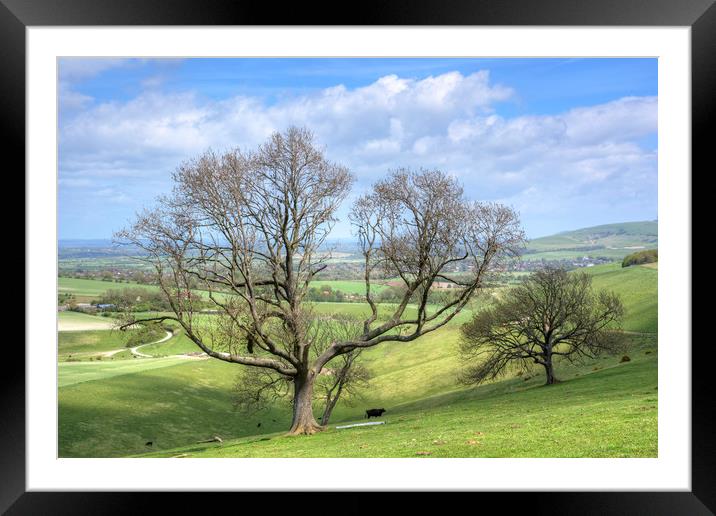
<point>71,100</point>
<point>77,68</point>
<point>385,117</point>
<point>626,118</point>
<point>447,121</point>
<point>75,182</point>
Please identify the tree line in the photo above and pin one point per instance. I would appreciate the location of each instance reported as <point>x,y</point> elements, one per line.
<point>641,257</point>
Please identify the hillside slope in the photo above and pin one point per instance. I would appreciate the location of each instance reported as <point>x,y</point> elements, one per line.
<point>638,288</point>
<point>610,412</point>
<point>608,240</point>
<point>191,400</point>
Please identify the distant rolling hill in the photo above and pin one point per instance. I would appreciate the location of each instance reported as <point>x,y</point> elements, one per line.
<point>612,241</point>
<point>608,240</point>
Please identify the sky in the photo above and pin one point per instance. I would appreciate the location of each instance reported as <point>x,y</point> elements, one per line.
<point>568,143</point>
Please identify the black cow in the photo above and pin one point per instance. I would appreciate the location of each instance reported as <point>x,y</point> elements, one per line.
<point>377,412</point>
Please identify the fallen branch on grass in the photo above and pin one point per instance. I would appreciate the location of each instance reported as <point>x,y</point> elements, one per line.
<point>215,439</point>
<point>363,424</point>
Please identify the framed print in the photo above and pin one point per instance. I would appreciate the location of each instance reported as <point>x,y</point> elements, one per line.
<point>411,250</point>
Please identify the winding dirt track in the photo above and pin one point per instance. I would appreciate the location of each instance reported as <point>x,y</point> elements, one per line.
<point>135,350</point>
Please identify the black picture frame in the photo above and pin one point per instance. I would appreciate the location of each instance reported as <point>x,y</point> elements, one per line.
<point>700,15</point>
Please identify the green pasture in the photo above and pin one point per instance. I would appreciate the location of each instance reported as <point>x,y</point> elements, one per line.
<point>602,408</point>
<point>637,286</point>
<point>178,345</point>
<point>89,289</point>
<point>175,402</point>
<point>71,373</point>
<point>610,412</point>
<point>93,289</point>
<point>90,341</point>
<point>80,317</point>
<point>74,346</point>
<point>79,321</point>
<point>86,290</point>
<point>348,286</point>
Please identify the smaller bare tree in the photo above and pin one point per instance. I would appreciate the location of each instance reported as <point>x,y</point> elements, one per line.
<point>256,389</point>
<point>345,382</point>
<point>551,313</point>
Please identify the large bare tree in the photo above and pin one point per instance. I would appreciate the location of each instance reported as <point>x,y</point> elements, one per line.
<point>552,313</point>
<point>255,389</point>
<point>250,227</point>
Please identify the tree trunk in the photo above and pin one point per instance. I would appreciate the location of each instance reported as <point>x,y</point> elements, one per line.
<point>303,422</point>
<point>328,411</point>
<point>331,403</point>
<point>549,369</point>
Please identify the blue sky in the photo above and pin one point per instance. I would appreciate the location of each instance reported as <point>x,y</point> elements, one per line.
<point>567,142</point>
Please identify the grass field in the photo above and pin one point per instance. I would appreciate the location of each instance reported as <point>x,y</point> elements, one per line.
<point>78,321</point>
<point>87,289</point>
<point>170,401</point>
<point>73,373</point>
<point>608,413</point>
<point>637,286</point>
<point>73,346</point>
<point>175,402</point>
<point>603,408</point>
<point>348,286</point>
<point>175,346</point>
<point>90,341</point>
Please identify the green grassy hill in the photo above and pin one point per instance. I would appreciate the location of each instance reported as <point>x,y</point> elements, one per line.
<point>77,321</point>
<point>637,286</point>
<point>90,341</point>
<point>608,413</point>
<point>603,408</point>
<point>608,240</point>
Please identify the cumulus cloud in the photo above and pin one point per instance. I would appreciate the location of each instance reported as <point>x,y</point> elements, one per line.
<point>76,68</point>
<point>70,70</point>
<point>449,121</point>
<point>73,70</point>
<point>71,100</point>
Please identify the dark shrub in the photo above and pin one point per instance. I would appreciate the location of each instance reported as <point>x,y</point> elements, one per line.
<point>648,256</point>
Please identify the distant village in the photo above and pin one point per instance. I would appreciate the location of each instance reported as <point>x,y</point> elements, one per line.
<point>343,270</point>
<point>572,263</point>
<point>348,267</point>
